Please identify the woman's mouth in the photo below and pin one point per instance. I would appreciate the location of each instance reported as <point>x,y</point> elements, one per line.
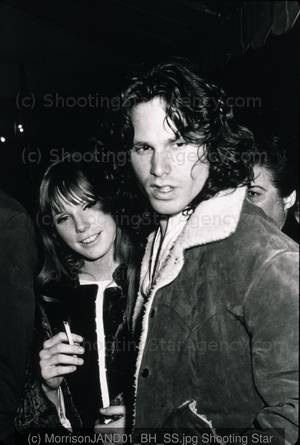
<point>91,239</point>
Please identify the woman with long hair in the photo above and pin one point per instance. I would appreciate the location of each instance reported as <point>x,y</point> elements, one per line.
<point>87,273</point>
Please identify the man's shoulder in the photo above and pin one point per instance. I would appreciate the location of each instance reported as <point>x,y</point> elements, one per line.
<point>17,236</point>
<point>258,230</point>
<point>9,208</point>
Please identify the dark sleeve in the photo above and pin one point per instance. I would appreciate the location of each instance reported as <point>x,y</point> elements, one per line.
<point>272,318</point>
<point>36,411</point>
<point>17,303</point>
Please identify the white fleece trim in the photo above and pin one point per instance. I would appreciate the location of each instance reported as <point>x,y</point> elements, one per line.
<point>100,336</point>
<point>144,268</point>
<point>193,408</point>
<point>213,220</point>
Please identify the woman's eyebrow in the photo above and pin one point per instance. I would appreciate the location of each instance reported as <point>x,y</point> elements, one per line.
<point>258,186</point>
<point>57,214</point>
<point>58,210</point>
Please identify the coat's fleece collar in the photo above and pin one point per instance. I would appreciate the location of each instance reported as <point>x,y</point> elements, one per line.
<point>213,220</point>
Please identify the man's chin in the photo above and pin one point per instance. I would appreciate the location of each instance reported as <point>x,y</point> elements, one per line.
<point>165,208</point>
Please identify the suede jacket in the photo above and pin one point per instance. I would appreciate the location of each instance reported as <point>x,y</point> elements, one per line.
<point>218,330</point>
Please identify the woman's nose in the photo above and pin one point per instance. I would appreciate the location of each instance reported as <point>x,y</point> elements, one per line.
<point>82,223</point>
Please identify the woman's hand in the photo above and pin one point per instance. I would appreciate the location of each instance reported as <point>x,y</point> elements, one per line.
<point>58,358</point>
<point>113,426</point>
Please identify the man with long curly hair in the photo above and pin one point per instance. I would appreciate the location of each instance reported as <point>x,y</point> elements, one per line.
<point>216,312</point>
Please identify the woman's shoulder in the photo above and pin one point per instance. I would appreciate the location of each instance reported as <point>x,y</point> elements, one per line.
<point>65,294</point>
<point>56,290</point>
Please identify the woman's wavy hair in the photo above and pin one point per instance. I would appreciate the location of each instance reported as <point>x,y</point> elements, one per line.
<point>76,183</point>
<point>201,114</point>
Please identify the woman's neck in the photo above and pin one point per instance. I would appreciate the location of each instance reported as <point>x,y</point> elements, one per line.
<point>99,270</point>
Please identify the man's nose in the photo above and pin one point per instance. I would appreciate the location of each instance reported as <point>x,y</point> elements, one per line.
<point>160,163</point>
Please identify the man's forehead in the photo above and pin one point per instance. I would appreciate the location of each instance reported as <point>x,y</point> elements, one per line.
<point>150,120</point>
<point>155,106</point>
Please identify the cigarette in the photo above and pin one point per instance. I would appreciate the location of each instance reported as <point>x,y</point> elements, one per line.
<point>68,332</point>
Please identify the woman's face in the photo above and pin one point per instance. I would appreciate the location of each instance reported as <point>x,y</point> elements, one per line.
<point>265,195</point>
<point>86,229</point>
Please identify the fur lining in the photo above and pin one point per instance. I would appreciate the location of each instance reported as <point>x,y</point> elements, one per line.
<point>213,220</point>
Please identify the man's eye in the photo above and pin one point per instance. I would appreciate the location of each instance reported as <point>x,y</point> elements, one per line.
<point>180,143</point>
<point>141,148</point>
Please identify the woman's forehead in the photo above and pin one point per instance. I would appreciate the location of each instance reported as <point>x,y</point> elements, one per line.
<point>262,173</point>
<point>64,198</point>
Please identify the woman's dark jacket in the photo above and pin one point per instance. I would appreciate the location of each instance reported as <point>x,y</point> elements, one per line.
<point>81,389</point>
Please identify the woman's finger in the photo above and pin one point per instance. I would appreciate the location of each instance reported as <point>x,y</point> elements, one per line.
<point>63,359</point>
<point>59,338</point>
<point>114,410</point>
<point>64,348</point>
<point>57,371</point>
<point>113,426</point>
<point>44,354</point>
<point>60,348</point>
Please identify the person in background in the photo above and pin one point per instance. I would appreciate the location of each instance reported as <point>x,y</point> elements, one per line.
<point>216,317</point>
<point>88,264</point>
<point>273,188</point>
<point>18,263</point>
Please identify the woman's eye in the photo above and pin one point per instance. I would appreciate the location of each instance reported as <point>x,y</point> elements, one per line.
<point>61,219</point>
<point>252,194</point>
<point>89,205</point>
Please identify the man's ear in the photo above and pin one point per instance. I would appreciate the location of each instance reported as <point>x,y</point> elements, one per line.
<point>289,200</point>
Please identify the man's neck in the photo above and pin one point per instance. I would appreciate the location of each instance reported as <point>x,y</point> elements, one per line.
<point>163,224</point>
<point>167,221</point>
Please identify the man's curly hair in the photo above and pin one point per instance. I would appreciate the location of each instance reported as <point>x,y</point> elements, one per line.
<point>202,116</point>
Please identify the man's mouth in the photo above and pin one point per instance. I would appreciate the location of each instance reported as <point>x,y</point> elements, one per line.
<point>91,239</point>
<point>163,191</point>
<point>163,188</point>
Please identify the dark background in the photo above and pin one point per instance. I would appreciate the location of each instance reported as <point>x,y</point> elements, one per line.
<point>76,50</point>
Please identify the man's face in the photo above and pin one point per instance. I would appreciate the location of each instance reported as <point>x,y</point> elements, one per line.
<point>166,166</point>
<point>265,195</point>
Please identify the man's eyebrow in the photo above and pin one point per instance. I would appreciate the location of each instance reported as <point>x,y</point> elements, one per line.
<point>137,142</point>
<point>169,140</point>
<point>174,138</point>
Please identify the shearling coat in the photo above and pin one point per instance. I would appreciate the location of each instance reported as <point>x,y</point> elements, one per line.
<point>219,327</point>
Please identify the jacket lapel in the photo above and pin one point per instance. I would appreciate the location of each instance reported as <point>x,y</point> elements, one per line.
<point>213,220</point>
